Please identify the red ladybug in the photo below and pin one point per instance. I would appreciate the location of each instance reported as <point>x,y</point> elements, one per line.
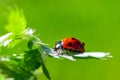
<point>71,44</point>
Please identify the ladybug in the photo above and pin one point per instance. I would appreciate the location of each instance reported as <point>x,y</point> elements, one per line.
<point>71,44</point>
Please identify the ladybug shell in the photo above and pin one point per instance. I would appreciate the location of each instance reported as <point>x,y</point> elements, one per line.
<point>72,44</point>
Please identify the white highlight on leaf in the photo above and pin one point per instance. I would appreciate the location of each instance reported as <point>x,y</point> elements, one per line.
<point>55,56</point>
<point>4,40</point>
<point>9,79</point>
<point>14,54</point>
<point>18,56</point>
<point>68,57</point>
<point>4,59</point>
<point>7,42</point>
<point>94,54</point>
<point>41,43</point>
<point>28,32</point>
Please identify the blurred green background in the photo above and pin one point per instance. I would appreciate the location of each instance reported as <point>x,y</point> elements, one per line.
<point>95,22</point>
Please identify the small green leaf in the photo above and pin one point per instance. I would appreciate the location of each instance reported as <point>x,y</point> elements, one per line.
<point>46,71</point>
<point>16,21</point>
<point>30,44</point>
<point>31,59</point>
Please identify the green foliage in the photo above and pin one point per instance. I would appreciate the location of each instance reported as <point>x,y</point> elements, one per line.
<point>15,71</point>
<point>16,21</point>
<point>23,65</point>
<point>32,59</point>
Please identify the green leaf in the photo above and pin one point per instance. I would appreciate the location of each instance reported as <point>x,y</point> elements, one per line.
<point>16,21</point>
<point>46,71</point>
<point>31,59</point>
<point>16,71</point>
<point>30,44</point>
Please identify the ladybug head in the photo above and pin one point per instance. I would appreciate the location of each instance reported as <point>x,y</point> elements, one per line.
<point>82,49</point>
<point>58,45</point>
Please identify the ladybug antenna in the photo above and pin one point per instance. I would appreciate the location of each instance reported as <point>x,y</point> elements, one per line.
<point>83,43</point>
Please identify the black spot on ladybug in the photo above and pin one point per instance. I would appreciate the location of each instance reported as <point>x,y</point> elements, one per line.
<point>81,46</point>
<point>73,38</point>
<point>69,44</point>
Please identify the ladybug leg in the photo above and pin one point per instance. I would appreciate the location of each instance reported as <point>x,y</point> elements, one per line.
<point>70,50</point>
<point>59,49</point>
<point>54,49</point>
